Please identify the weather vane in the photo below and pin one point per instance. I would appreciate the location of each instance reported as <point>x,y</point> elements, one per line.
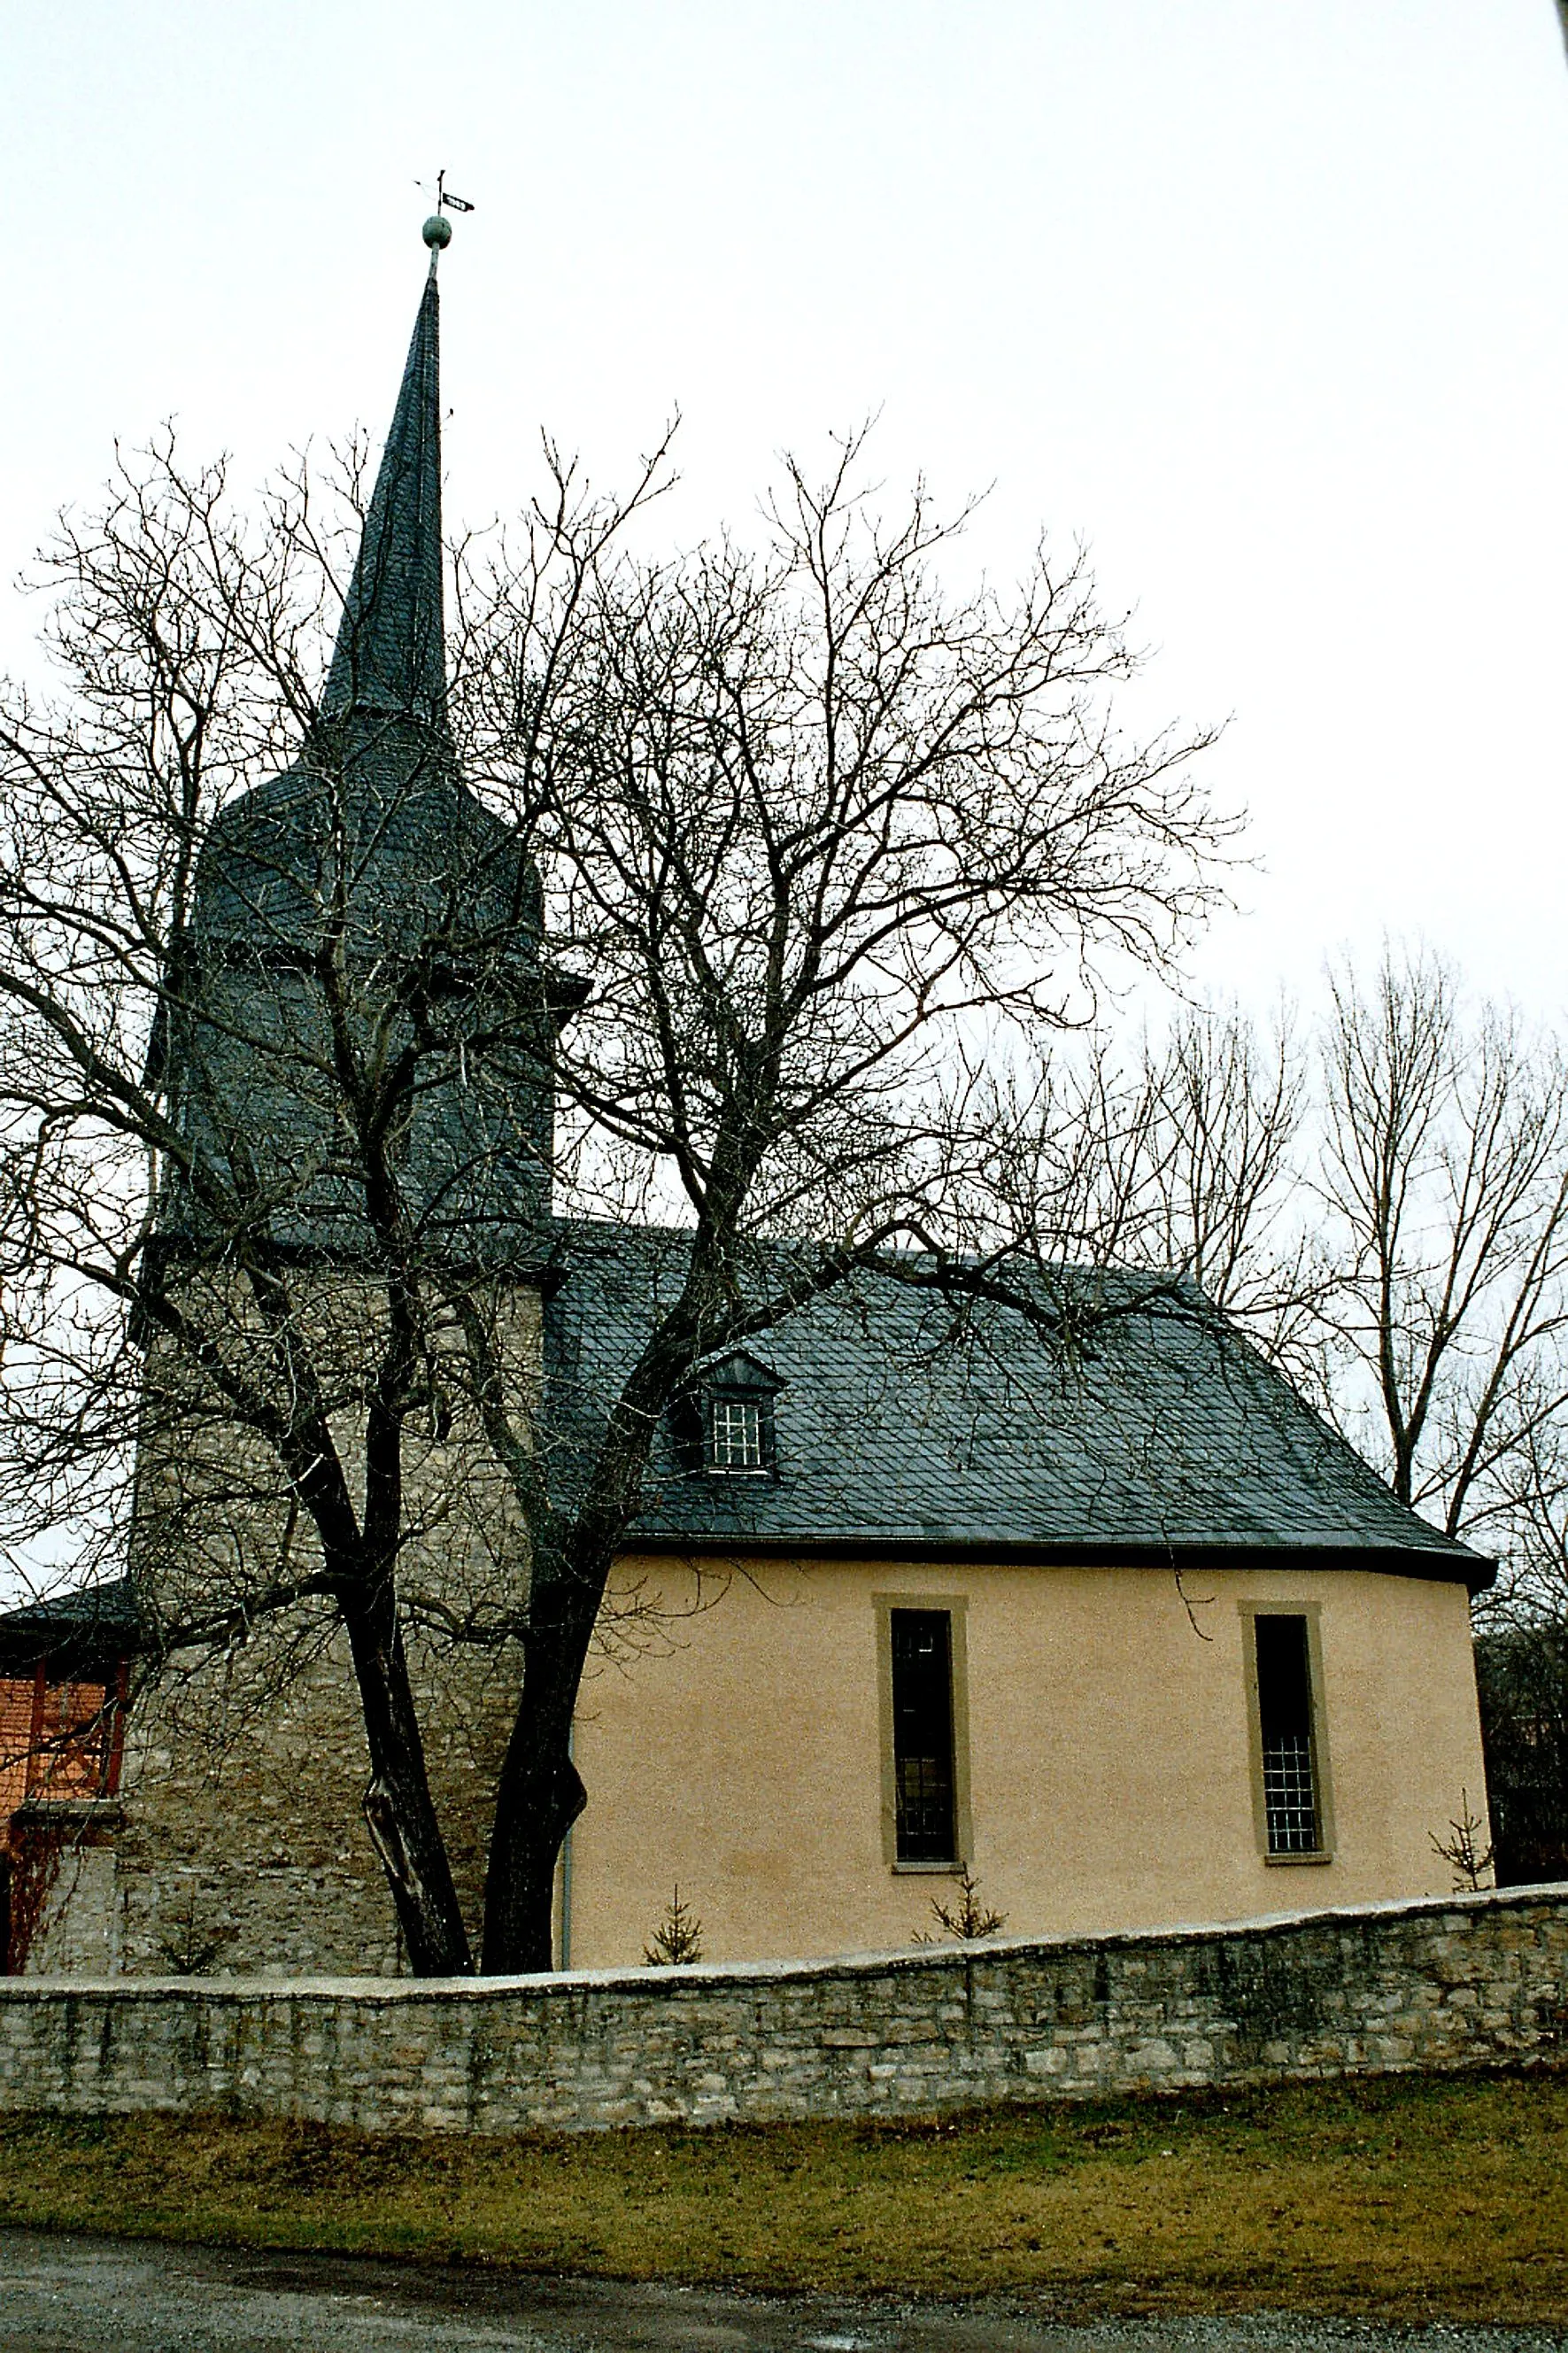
<point>438,229</point>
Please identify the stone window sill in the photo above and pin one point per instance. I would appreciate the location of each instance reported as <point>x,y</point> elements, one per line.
<point>937,1869</point>
<point>1288,1861</point>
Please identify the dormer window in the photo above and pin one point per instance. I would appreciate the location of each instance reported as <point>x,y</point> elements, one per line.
<point>726,1422</point>
<point>735,1434</point>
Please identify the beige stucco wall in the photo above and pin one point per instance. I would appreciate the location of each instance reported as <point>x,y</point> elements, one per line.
<point>1109,1764</point>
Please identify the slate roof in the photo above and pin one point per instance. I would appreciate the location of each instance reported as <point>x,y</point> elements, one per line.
<point>1168,1442</point>
<point>381,769</point>
<point>420,856</point>
<point>391,649</point>
<point>1169,1439</point>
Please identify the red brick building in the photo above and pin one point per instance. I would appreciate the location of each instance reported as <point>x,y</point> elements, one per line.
<point>62,1693</point>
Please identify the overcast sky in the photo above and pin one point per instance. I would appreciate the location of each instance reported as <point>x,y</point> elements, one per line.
<point>1267,301</point>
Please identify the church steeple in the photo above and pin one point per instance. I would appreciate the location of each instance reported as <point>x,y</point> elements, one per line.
<point>368,856</point>
<point>390,657</point>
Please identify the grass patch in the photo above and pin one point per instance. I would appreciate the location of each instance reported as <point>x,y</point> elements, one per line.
<point>1401,2197</point>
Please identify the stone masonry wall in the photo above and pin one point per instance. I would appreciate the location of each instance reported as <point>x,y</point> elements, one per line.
<point>242,1835</point>
<point>1456,1982</point>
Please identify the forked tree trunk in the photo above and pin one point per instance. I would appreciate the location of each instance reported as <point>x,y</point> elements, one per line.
<point>540,1793</point>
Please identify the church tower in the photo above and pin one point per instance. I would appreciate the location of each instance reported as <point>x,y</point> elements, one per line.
<point>357,1052</point>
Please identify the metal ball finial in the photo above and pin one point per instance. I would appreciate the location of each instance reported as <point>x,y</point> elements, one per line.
<point>437,232</point>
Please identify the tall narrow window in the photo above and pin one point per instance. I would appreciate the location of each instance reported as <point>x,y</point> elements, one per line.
<point>922,1736</point>
<point>1291,1799</point>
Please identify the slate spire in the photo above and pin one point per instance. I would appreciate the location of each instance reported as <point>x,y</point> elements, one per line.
<point>390,657</point>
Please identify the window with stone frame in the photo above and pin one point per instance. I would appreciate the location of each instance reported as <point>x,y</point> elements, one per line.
<point>1292,1809</point>
<point>924,1780</point>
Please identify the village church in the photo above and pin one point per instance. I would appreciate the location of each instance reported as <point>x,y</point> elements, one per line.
<point>1147,1646</point>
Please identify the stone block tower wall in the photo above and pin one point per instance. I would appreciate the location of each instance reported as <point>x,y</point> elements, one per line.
<point>242,1844</point>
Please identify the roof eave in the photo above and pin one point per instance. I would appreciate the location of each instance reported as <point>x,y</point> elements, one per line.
<point>1445,1563</point>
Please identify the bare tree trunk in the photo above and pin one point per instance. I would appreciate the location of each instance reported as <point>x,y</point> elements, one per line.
<point>540,1793</point>
<point>399,1811</point>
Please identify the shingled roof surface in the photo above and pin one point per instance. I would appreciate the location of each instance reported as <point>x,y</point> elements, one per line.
<point>75,1631</point>
<point>1166,1436</point>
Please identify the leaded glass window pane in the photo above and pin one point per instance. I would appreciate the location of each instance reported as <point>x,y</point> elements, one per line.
<point>922,1736</point>
<point>735,1435</point>
<point>1285,1722</point>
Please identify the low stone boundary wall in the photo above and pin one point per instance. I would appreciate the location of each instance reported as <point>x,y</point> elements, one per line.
<point>1455,1982</point>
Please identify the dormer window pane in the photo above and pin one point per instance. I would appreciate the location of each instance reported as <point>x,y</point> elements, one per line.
<point>736,1435</point>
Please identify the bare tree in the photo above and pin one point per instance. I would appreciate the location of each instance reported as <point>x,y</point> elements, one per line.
<point>276,1067</point>
<point>1532,1520</point>
<point>1213,1121</point>
<point>1385,1214</point>
<point>808,829</point>
<point>1444,1187</point>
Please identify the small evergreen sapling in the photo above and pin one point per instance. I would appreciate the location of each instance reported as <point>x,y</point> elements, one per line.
<point>677,1939</point>
<point>1469,1860</point>
<point>966,1918</point>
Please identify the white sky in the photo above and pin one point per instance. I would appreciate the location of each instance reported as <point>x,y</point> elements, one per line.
<point>1266,299</point>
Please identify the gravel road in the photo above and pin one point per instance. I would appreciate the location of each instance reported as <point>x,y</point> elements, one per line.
<point>111,2295</point>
